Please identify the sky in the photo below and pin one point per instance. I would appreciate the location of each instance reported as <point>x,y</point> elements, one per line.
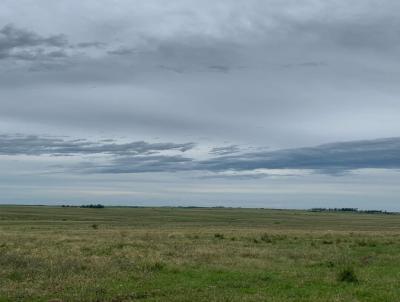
<point>256,103</point>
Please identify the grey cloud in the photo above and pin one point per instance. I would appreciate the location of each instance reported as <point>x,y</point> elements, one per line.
<point>169,68</point>
<point>225,150</point>
<point>123,51</point>
<point>306,64</point>
<point>43,53</point>
<point>364,29</point>
<point>237,176</point>
<point>36,145</point>
<point>335,158</point>
<point>94,44</point>
<point>135,157</point>
<point>193,54</point>
<point>219,68</point>
<point>37,55</point>
<point>198,54</point>
<point>141,164</point>
<point>12,37</point>
<point>45,66</point>
<point>57,54</point>
<point>27,45</point>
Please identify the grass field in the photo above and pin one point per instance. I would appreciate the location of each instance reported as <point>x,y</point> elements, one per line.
<point>182,254</point>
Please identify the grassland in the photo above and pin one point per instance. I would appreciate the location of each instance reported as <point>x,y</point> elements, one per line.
<point>176,254</point>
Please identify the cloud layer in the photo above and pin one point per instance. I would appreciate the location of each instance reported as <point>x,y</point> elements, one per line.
<point>328,158</point>
<point>140,156</point>
<point>198,94</point>
<point>36,145</point>
<point>22,44</point>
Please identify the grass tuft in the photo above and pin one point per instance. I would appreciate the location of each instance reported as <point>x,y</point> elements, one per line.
<point>347,274</point>
<point>219,236</point>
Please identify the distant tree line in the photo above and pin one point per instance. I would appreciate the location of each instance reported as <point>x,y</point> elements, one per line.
<point>91,206</point>
<point>353,210</point>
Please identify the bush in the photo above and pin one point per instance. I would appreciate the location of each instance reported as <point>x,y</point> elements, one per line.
<point>219,236</point>
<point>347,275</point>
<point>266,238</point>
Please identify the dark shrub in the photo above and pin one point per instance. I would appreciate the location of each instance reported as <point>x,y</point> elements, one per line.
<point>266,238</point>
<point>347,275</point>
<point>219,236</point>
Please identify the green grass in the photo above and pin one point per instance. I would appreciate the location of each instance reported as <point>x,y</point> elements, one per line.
<point>178,254</point>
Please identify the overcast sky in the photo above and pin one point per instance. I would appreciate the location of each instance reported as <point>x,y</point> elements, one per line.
<point>256,103</point>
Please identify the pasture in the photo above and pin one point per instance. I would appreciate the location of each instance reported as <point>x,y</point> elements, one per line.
<point>196,254</point>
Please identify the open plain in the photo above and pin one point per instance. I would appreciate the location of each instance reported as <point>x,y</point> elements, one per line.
<point>196,254</point>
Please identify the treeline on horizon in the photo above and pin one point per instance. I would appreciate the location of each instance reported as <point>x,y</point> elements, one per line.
<point>349,210</point>
<point>352,210</point>
<point>91,206</point>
